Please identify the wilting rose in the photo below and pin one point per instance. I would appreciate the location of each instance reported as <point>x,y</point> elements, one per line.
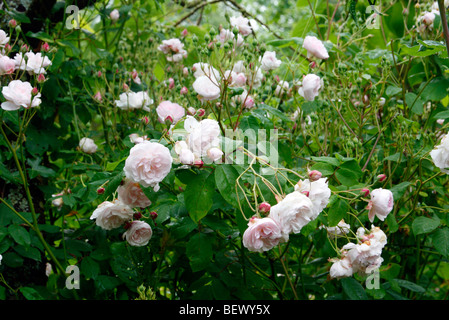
<point>315,48</point>
<point>381,204</point>
<point>293,212</point>
<point>138,233</point>
<point>131,194</point>
<point>19,94</point>
<point>206,88</point>
<point>269,61</point>
<point>311,85</point>
<point>88,145</point>
<point>262,234</point>
<point>169,109</point>
<point>110,215</point>
<point>148,163</point>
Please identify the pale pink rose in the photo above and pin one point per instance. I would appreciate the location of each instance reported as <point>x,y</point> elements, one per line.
<point>293,212</point>
<point>184,154</point>
<point>428,18</point>
<point>281,88</point>
<point>311,85</point>
<point>235,79</point>
<point>131,194</point>
<point>201,135</point>
<point>4,39</point>
<point>315,48</point>
<point>19,94</point>
<point>34,63</point>
<point>169,109</point>
<point>269,61</point>
<point>341,268</point>
<point>214,154</point>
<point>381,204</point>
<point>227,35</point>
<point>318,192</point>
<point>114,15</point>
<point>88,145</point>
<point>138,233</point>
<point>111,215</point>
<point>7,65</point>
<point>262,234</point>
<point>135,138</point>
<point>173,49</point>
<point>242,24</point>
<point>134,100</point>
<point>440,154</point>
<point>204,69</point>
<point>148,163</point>
<point>97,97</point>
<point>206,89</point>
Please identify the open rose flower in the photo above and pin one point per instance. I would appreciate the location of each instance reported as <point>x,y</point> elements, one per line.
<point>7,65</point>
<point>173,50</point>
<point>131,194</point>
<point>262,234</point>
<point>292,213</point>
<point>341,268</point>
<point>269,61</point>
<point>88,145</point>
<point>138,233</point>
<point>4,39</point>
<point>148,163</point>
<point>206,88</point>
<point>318,192</point>
<point>19,94</point>
<point>242,25</point>
<point>311,86</point>
<point>315,48</point>
<point>169,110</point>
<point>111,215</point>
<point>134,100</point>
<point>32,62</point>
<point>440,154</point>
<point>201,135</point>
<point>381,204</point>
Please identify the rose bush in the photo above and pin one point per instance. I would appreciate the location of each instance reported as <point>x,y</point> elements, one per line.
<point>224,152</point>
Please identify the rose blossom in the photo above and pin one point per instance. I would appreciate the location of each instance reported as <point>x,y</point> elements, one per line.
<point>440,154</point>
<point>88,145</point>
<point>315,48</point>
<point>262,234</point>
<point>204,69</point>
<point>381,204</point>
<point>19,94</point>
<point>4,39</point>
<point>269,61</point>
<point>169,109</point>
<point>134,100</point>
<point>110,215</point>
<point>7,65</point>
<point>148,163</point>
<point>206,88</point>
<point>311,85</point>
<point>114,15</point>
<point>341,268</point>
<point>173,50</point>
<point>340,229</point>
<point>33,63</point>
<point>214,154</point>
<point>293,212</point>
<point>227,35</point>
<point>201,135</point>
<point>242,24</point>
<point>318,192</point>
<point>281,88</point>
<point>131,194</point>
<point>184,154</point>
<point>138,233</point>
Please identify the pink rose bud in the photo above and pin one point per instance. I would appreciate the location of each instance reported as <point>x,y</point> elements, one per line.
<point>46,47</point>
<point>276,78</point>
<point>200,112</point>
<point>184,90</point>
<point>191,111</point>
<point>198,163</point>
<point>312,65</point>
<point>306,193</point>
<point>381,177</point>
<point>171,83</point>
<point>97,97</point>
<point>35,91</point>
<point>99,74</point>
<point>24,48</point>
<point>12,23</point>
<point>440,121</point>
<point>314,175</point>
<point>134,74</point>
<point>185,71</point>
<point>125,87</point>
<point>184,33</point>
<point>100,190</point>
<point>264,207</point>
<point>145,120</point>
<point>153,215</point>
<point>365,192</point>
<point>41,78</point>
<point>249,102</point>
<point>169,119</point>
<point>7,47</point>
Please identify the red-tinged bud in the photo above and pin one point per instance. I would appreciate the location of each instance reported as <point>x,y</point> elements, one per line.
<point>365,192</point>
<point>46,47</point>
<point>169,120</point>
<point>137,216</point>
<point>306,193</point>
<point>145,120</point>
<point>99,74</point>
<point>100,190</point>
<point>24,48</point>
<point>12,23</point>
<point>381,177</point>
<point>127,225</point>
<point>153,215</point>
<point>184,33</point>
<point>264,207</point>
<point>312,65</point>
<point>198,163</point>
<point>41,78</point>
<point>35,91</point>
<point>7,47</point>
<point>171,83</point>
<point>201,112</point>
<point>184,90</point>
<point>314,175</point>
<point>125,87</point>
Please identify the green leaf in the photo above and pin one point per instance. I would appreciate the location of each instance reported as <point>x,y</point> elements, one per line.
<point>399,189</point>
<point>410,286</point>
<point>30,293</point>
<point>19,234</point>
<point>225,179</point>
<point>199,251</point>
<point>392,91</point>
<point>423,225</point>
<point>440,239</point>
<point>337,211</point>
<point>353,289</point>
<point>332,161</point>
<point>198,195</point>
<point>90,268</point>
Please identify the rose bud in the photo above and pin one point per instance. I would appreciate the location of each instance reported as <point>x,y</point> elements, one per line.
<point>264,207</point>
<point>365,192</point>
<point>314,175</point>
<point>381,177</point>
<point>153,215</point>
<point>137,215</point>
<point>100,190</point>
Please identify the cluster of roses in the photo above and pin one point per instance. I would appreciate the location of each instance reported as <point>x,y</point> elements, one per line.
<point>20,93</point>
<point>424,22</point>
